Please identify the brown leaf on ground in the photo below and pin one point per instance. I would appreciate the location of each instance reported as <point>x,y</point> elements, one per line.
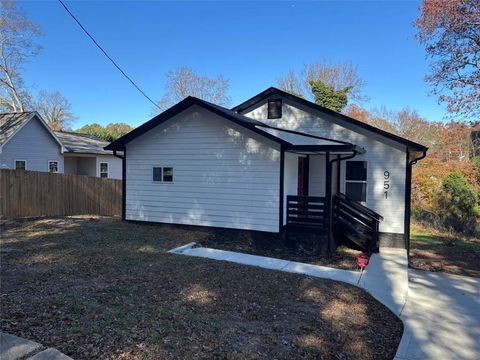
<point>105,289</point>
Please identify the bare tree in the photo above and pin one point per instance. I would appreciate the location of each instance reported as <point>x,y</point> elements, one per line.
<point>183,82</point>
<point>17,34</point>
<point>338,76</point>
<point>291,84</point>
<point>55,109</point>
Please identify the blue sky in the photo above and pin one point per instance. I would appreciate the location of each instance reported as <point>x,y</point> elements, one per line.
<point>250,43</point>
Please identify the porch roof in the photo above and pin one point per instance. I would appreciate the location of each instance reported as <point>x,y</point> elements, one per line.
<point>299,142</point>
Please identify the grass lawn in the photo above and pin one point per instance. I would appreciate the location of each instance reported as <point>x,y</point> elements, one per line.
<point>105,289</point>
<point>440,252</point>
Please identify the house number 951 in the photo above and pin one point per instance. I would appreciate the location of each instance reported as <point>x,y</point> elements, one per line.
<point>386,183</point>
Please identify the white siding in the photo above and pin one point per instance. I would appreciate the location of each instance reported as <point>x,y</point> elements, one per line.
<point>380,156</point>
<point>114,166</point>
<point>316,179</point>
<point>290,183</point>
<point>86,166</point>
<point>224,175</point>
<point>34,144</point>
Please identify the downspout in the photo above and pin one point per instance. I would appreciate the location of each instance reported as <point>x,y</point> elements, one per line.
<point>351,156</point>
<point>408,197</point>
<point>124,180</point>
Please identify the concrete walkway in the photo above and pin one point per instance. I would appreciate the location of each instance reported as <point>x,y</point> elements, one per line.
<point>385,277</point>
<point>440,313</point>
<point>13,348</point>
<point>441,318</point>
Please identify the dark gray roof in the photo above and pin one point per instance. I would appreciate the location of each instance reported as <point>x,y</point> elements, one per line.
<point>11,122</point>
<point>291,140</point>
<point>82,143</point>
<point>348,120</point>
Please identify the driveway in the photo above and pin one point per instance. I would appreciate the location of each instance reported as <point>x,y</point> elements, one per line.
<point>441,317</point>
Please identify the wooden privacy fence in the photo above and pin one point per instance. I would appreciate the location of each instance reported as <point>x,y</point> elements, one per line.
<point>31,193</point>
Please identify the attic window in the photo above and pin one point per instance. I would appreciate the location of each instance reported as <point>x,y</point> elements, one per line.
<point>274,109</point>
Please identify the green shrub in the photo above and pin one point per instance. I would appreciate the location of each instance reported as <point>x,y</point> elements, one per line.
<point>458,205</point>
<point>476,164</point>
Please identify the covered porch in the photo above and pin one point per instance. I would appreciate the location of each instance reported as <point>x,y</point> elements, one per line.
<point>313,201</point>
<point>80,164</point>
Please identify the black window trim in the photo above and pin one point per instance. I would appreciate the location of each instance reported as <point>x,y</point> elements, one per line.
<point>279,111</point>
<point>162,174</point>
<point>356,181</point>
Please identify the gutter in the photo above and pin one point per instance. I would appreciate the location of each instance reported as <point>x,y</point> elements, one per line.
<point>414,161</point>
<point>408,198</point>
<point>118,156</point>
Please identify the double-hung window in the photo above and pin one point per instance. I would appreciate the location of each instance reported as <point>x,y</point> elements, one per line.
<point>356,180</point>
<point>53,166</point>
<point>162,174</point>
<point>21,164</point>
<point>104,170</point>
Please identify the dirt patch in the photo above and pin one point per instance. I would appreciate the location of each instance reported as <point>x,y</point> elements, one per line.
<point>107,289</point>
<point>302,248</point>
<point>432,251</point>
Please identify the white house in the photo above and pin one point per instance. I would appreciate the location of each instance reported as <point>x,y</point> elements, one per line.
<point>274,163</point>
<point>26,142</point>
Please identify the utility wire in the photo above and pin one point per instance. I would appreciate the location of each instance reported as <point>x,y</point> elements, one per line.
<point>108,56</point>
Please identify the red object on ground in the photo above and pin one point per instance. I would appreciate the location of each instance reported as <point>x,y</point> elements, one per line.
<point>361,261</point>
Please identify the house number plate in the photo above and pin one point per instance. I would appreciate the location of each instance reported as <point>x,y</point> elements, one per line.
<point>386,183</point>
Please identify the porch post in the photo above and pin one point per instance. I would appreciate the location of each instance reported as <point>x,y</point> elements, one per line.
<point>281,190</point>
<point>328,202</point>
<point>338,174</point>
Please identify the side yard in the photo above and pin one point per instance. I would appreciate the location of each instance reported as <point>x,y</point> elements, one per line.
<point>102,288</point>
<point>433,251</point>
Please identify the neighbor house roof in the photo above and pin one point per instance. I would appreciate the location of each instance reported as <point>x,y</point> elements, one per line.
<point>290,140</point>
<point>11,123</point>
<point>82,143</point>
<point>272,91</point>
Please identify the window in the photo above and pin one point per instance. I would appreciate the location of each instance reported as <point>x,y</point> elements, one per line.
<point>168,174</point>
<point>356,180</point>
<point>274,109</point>
<point>21,164</point>
<point>53,166</point>
<point>164,174</point>
<point>157,174</point>
<point>104,170</point>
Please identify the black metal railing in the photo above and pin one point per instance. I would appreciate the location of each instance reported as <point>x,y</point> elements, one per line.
<point>355,222</point>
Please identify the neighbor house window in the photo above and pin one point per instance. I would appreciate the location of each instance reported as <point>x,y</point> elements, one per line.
<point>53,166</point>
<point>356,180</point>
<point>274,109</point>
<point>162,174</point>
<point>104,170</point>
<point>21,164</point>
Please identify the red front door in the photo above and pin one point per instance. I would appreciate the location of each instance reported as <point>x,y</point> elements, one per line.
<point>302,187</point>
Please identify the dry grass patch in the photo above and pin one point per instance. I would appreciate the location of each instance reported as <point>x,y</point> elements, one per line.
<point>431,250</point>
<point>104,289</point>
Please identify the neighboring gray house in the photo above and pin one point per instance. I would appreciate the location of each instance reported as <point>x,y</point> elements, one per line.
<point>26,142</point>
<point>84,155</point>
<point>275,163</point>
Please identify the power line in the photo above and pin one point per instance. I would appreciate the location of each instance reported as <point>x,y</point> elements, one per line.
<point>108,56</point>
